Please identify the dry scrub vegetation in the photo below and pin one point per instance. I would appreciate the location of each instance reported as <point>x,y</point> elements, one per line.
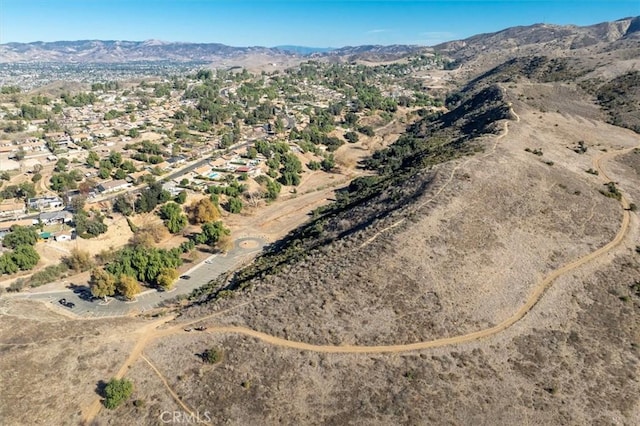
<point>50,366</point>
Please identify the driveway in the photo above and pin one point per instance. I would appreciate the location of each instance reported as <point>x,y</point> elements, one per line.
<point>200,274</point>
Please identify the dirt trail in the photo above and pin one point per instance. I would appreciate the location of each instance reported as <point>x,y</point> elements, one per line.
<point>531,301</point>
<point>166,385</point>
<point>150,331</point>
<point>147,332</point>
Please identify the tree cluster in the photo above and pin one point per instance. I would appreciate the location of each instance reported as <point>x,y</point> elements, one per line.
<point>23,256</point>
<point>89,224</point>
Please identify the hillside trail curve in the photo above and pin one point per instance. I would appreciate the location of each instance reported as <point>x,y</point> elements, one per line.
<point>153,332</point>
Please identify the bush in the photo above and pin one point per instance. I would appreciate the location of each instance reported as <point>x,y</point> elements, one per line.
<point>78,260</point>
<point>116,392</point>
<point>212,356</point>
<point>16,286</point>
<point>612,191</point>
<point>235,205</point>
<point>47,275</point>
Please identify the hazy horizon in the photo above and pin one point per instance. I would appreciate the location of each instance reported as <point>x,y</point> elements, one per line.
<point>271,23</point>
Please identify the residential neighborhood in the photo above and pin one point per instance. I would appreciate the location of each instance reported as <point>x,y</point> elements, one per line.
<point>85,168</point>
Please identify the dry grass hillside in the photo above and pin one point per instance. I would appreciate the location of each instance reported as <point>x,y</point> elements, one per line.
<point>477,237</point>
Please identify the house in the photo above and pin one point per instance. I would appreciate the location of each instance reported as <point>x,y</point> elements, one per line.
<point>164,166</point>
<point>176,161</point>
<point>45,203</point>
<point>81,137</point>
<point>135,177</point>
<point>113,186</point>
<point>11,208</point>
<point>218,163</point>
<point>172,188</point>
<point>50,218</point>
<point>63,236</point>
<point>202,170</point>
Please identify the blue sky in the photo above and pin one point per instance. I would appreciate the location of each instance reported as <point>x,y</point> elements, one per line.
<point>320,23</point>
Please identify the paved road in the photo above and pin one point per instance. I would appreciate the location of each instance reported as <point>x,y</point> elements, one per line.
<point>175,173</point>
<point>200,274</point>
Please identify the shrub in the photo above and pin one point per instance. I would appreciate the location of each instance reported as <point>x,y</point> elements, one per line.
<point>212,356</point>
<point>612,191</point>
<point>78,260</point>
<point>16,286</point>
<point>235,205</point>
<point>116,392</point>
<point>47,275</point>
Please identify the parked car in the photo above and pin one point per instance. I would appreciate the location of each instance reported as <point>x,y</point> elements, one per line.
<point>185,277</point>
<point>66,303</point>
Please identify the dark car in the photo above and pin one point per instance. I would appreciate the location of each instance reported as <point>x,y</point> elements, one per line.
<point>185,277</point>
<point>87,295</point>
<point>69,305</point>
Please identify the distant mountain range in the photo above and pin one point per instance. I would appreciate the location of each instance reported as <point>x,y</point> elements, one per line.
<point>111,51</point>
<point>534,39</point>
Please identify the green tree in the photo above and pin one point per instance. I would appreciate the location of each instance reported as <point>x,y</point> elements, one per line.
<point>291,168</point>
<point>115,158</point>
<point>174,220</point>
<point>351,137</point>
<point>92,159</point>
<point>7,265</point>
<point>328,163</point>
<point>120,174</point>
<point>61,165</point>
<point>102,283</point>
<point>61,182</point>
<point>26,190</point>
<point>273,189</point>
<point>123,205</point>
<point>104,173</point>
<point>235,205</point>
<point>181,197</point>
<point>19,236</point>
<point>25,257</point>
<point>212,231</point>
<point>89,225</point>
<point>116,392</point>
<point>252,152</point>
